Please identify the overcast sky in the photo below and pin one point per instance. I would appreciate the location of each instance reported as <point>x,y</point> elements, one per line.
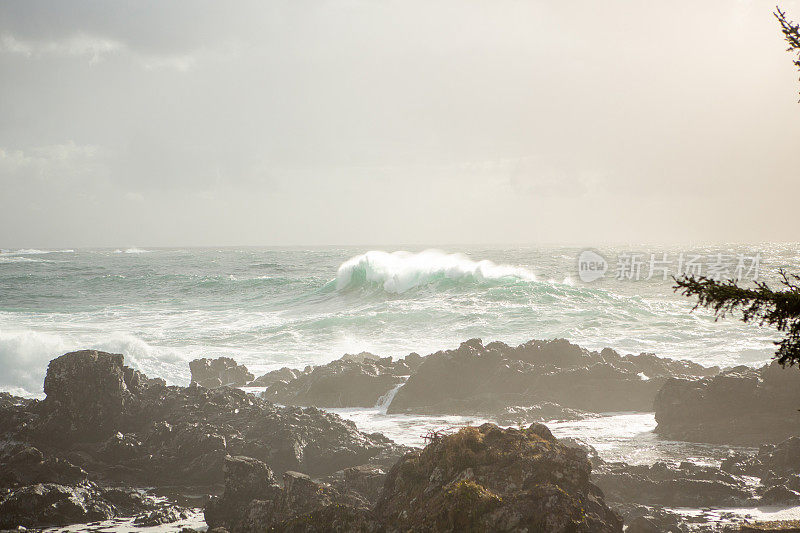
<point>380,122</point>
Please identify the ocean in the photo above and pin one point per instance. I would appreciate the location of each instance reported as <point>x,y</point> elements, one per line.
<point>274,307</point>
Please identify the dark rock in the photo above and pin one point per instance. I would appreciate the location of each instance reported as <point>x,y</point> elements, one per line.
<point>282,374</point>
<point>642,524</point>
<point>222,371</point>
<point>479,479</point>
<point>164,515</point>
<point>685,485</point>
<point>252,501</point>
<point>87,390</point>
<point>22,464</point>
<point>352,381</point>
<point>780,495</point>
<point>51,504</point>
<point>488,379</point>
<point>159,435</point>
<point>741,406</point>
<point>359,485</point>
<point>490,479</point>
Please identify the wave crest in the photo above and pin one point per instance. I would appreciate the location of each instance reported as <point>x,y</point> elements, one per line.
<point>399,272</point>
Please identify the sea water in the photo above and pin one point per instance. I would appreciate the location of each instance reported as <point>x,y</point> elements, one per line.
<point>274,307</point>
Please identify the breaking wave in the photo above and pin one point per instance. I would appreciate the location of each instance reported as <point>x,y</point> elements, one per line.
<point>399,272</point>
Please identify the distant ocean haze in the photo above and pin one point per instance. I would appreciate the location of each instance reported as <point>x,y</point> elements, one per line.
<point>270,307</point>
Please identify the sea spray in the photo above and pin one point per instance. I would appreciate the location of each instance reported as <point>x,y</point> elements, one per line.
<point>385,401</point>
<point>399,272</point>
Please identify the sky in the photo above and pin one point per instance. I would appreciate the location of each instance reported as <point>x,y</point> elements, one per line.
<point>371,122</point>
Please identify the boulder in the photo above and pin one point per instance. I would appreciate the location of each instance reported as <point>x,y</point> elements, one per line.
<point>491,479</point>
<point>88,390</point>
<point>22,464</point>
<point>662,484</point>
<point>51,504</point>
<point>282,374</point>
<point>219,372</point>
<point>353,381</point>
<point>486,380</point>
<point>155,434</point>
<point>252,501</point>
<point>479,479</point>
<point>742,406</point>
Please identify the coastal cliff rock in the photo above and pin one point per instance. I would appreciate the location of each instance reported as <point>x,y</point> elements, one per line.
<point>253,501</point>
<point>662,484</point>
<point>353,381</point>
<point>479,479</point>
<point>282,374</point>
<point>219,372</point>
<point>52,504</point>
<point>478,379</point>
<point>743,406</point>
<point>127,428</point>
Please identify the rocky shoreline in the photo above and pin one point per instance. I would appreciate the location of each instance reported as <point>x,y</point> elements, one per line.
<point>106,436</point>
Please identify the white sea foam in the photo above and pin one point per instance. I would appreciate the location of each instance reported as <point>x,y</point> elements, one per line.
<point>132,250</point>
<point>24,356</point>
<point>398,272</point>
<point>34,251</point>
<point>386,400</point>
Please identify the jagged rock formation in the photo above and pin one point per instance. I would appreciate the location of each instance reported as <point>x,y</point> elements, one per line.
<point>743,406</point>
<point>282,374</point>
<point>684,485</point>
<point>219,372</point>
<point>124,427</point>
<point>52,504</point>
<point>486,379</point>
<point>352,381</point>
<point>479,479</point>
<point>489,479</point>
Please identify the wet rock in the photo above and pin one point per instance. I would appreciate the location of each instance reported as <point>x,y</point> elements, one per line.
<point>158,517</point>
<point>22,464</point>
<point>51,504</point>
<point>282,374</point>
<point>491,378</point>
<point>490,479</point>
<point>780,495</point>
<point>479,479</point>
<point>219,372</point>
<point>352,381</point>
<point>87,390</point>
<point>741,406</point>
<point>684,485</point>
<point>360,485</point>
<point>252,500</point>
<point>159,435</point>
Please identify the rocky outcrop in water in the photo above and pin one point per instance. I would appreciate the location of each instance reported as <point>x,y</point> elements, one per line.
<point>219,372</point>
<point>662,484</point>
<point>52,504</point>
<point>104,422</point>
<point>478,379</point>
<point>282,374</point>
<point>491,479</point>
<point>743,406</point>
<point>352,381</point>
<point>479,479</point>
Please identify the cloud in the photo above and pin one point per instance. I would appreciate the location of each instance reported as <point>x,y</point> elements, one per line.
<point>50,162</point>
<point>96,49</point>
<point>80,45</point>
